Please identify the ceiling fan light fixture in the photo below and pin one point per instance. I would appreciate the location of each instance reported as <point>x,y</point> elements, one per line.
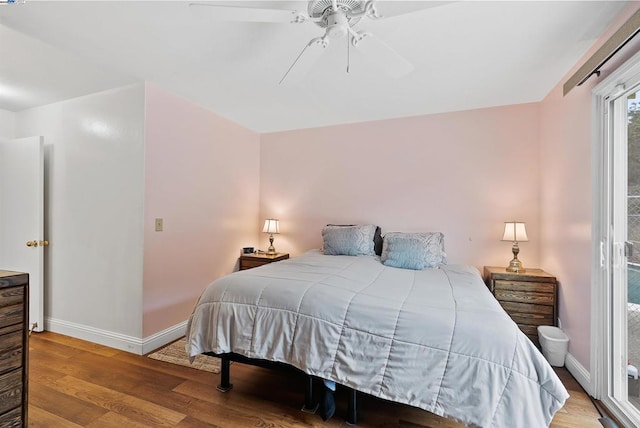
<point>338,25</point>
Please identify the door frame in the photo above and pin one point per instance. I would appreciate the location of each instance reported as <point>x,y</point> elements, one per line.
<point>606,246</point>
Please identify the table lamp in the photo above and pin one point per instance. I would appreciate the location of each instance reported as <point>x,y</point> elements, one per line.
<point>515,232</point>
<point>271,226</point>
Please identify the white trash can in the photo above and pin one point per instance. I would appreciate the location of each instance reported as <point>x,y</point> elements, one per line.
<point>554,344</point>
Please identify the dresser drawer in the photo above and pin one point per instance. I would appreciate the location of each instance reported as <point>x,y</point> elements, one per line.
<point>525,297</point>
<point>11,296</point>
<point>11,351</point>
<point>525,286</point>
<point>10,390</point>
<point>10,315</point>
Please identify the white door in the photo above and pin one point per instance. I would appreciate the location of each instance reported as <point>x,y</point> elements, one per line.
<point>22,242</point>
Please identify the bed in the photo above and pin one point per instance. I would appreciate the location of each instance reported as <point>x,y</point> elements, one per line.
<point>433,338</point>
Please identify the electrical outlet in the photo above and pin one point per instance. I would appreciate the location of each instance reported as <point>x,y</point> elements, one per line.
<point>159,225</point>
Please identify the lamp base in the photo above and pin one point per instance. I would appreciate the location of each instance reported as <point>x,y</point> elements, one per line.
<point>271,250</point>
<point>515,266</point>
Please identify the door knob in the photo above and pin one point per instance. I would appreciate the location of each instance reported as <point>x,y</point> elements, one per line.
<point>32,243</point>
<point>44,243</point>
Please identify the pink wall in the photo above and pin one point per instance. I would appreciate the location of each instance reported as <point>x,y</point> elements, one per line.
<point>566,194</point>
<point>202,178</point>
<point>462,173</point>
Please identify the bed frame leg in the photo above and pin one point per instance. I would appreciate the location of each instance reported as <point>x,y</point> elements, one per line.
<point>352,411</point>
<point>309,405</point>
<point>225,385</point>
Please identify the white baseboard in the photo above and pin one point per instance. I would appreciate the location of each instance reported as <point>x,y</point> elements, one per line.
<point>580,373</point>
<point>168,335</point>
<point>116,340</point>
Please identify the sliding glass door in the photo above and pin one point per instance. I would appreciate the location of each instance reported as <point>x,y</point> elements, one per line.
<point>624,262</point>
<point>616,292</point>
<point>632,246</point>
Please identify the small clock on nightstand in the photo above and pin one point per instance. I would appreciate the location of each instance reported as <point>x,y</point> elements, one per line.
<point>248,261</point>
<point>530,298</point>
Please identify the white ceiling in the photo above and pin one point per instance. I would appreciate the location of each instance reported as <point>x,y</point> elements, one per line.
<point>467,54</point>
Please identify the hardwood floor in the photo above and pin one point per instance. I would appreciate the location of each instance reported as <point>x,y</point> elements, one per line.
<point>75,383</point>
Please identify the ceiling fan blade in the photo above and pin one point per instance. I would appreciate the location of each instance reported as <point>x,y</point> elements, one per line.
<point>389,9</point>
<point>306,59</point>
<point>382,55</point>
<point>251,14</point>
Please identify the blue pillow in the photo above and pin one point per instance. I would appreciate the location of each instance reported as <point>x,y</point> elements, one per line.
<point>413,250</point>
<point>377,237</point>
<point>348,240</point>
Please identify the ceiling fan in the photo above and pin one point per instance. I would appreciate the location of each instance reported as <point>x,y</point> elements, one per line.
<point>337,18</point>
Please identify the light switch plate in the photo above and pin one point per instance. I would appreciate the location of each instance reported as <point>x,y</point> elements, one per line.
<point>159,225</point>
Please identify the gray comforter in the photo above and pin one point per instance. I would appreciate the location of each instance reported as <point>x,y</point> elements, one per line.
<point>435,339</point>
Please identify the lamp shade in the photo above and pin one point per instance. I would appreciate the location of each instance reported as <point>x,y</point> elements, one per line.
<point>515,232</point>
<point>271,225</point>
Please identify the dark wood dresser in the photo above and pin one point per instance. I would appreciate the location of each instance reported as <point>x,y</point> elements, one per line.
<point>14,348</point>
<point>530,298</point>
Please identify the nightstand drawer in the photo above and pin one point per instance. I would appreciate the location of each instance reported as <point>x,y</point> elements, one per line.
<point>524,297</point>
<point>524,308</point>
<point>529,330</point>
<point>13,314</point>
<point>11,328</point>
<point>11,353</point>
<point>522,318</point>
<point>524,286</point>
<point>10,390</point>
<point>534,339</point>
<point>248,264</point>
<point>12,418</point>
<point>248,261</point>
<point>11,296</point>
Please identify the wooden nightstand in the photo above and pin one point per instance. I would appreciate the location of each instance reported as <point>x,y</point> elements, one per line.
<point>14,348</point>
<point>530,298</point>
<point>248,261</point>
